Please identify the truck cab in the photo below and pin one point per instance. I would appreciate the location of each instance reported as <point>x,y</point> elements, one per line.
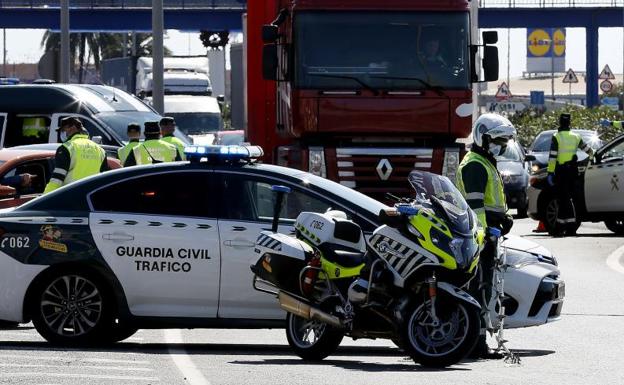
<point>363,93</point>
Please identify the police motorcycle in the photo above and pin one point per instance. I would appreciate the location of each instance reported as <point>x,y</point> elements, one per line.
<point>404,285</point>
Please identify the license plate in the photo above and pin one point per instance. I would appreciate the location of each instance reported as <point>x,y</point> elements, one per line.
<point>561,290</point>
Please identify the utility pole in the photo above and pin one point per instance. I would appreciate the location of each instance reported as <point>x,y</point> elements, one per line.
<point>65,65</point>
<point>508,55</point>
<point>4,52</point>
<point>157,56</point>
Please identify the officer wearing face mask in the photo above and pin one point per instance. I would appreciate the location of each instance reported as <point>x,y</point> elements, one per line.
<point>482,187</point>
<point>78,157</point>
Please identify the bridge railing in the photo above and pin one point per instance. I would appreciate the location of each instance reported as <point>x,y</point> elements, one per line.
<point>169,4</point>
<point>549,3</point>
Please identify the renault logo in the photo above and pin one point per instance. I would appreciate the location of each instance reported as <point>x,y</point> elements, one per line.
<point>384,169</point>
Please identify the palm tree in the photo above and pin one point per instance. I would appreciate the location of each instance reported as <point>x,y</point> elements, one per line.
<point>99,45</point>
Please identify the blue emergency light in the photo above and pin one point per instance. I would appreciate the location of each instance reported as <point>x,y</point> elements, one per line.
<point>9,81</point>
<point>223,154</point>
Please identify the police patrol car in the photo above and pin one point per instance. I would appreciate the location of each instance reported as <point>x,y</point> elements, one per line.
<point>166,245</point>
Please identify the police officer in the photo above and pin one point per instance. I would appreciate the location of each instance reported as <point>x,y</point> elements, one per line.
<point>563,172</point>
<point>78,157</point>
<point>612,123</point>
<point>167,128</point>
<point>153,150</point>
<point>134,134</point>
<point>481,185</point>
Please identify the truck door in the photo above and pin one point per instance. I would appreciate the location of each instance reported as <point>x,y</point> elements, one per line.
<point>604,180</point>
<point>158,234</point>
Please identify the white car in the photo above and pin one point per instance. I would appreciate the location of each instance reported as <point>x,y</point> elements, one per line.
<point>170,245</point>
<point>599,194</point>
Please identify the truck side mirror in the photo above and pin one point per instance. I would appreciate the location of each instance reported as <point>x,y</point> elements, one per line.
<point>490,37</point>
<point>490,63</point>
<point>270,33</point>
<point>269,62</point>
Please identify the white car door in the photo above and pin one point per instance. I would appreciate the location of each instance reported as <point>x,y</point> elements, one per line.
<point>160,238</point>
<point>604,180</point>
<point>248,209</point>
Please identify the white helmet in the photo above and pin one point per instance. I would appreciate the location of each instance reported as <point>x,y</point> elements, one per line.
<point>491,132</point>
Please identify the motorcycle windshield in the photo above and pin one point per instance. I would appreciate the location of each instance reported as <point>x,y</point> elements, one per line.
<point>440,194</point>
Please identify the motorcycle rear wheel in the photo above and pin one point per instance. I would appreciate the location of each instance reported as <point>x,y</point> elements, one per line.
<point>444,344</point>
<point>311,340</point>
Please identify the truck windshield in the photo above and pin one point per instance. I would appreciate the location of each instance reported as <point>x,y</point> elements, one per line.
<point>384,50</point>
<point>195,123</point>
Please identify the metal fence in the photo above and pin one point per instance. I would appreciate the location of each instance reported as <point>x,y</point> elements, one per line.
<point>549,3</point>
<point>168,4</point>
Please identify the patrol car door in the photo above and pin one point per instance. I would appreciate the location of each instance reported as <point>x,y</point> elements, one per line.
<point>159,235</point>
<point>248,210</point>
<point>604,180</point>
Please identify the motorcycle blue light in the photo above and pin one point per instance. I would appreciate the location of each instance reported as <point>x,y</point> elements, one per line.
<point>407,209</point>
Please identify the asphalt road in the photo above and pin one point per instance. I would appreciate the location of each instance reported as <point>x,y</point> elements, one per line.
<point>585,347</point>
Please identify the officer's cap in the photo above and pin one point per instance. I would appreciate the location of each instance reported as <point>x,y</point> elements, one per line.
<point>134,127</point>
<point>152,128</point>
<point>68,122</point>
<point>167,120</point>
<point>564,120</point>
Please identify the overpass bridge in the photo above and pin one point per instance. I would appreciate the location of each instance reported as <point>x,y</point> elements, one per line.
<point>193,15</point>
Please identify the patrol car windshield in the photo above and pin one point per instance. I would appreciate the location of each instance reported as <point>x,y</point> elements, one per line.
<point>118,121</point>
<point>382,50</point>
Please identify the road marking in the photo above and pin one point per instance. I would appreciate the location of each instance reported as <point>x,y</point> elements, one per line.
<point>77,375</point>
<point>182,360</point>
<point>68,359</point>
<point>613,260</point>
<point>121,368</point>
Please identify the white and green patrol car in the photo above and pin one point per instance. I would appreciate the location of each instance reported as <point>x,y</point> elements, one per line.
<point>169,246</point>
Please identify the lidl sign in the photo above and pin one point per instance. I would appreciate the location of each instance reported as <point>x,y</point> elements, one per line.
<point>546,42</point>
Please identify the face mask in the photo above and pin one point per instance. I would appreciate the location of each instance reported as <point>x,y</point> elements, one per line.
<point>63,136</point>
<point>497,149</point>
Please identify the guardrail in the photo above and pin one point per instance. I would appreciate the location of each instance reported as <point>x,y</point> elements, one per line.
<point>549,3</point>
<point>93,4</point>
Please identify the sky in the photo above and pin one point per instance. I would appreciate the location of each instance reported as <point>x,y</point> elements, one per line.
<point>24,46</point>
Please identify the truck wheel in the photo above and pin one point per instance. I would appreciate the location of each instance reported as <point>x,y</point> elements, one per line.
<point>72,308</point>
<point>615,225</point>
<point>443,344</point>
<point>310,339</point>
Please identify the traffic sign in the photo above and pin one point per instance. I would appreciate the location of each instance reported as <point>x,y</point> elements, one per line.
<point>537,98</point>
<point>503,92</point>
<point>505,106</point>
<point>606,74</point>
<point>570,77</point>
<point>606,86</point>
<point>611,102</point>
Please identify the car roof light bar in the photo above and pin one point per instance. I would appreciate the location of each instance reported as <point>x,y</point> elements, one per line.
<point>223,154</point>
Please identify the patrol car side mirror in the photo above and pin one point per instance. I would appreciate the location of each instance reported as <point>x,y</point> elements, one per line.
<point>6,192</point>
<point>279,200</point>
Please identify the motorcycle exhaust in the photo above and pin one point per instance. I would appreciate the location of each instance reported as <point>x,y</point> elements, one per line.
<point>303,310</point>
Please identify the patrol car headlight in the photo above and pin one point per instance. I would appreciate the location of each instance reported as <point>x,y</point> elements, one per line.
<point>316,162</point>
<point>519,259</point>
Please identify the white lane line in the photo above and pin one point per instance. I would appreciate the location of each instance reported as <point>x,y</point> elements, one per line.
<point>70,359</point>
<point>613,260</point>
<point>192,375</point>
<point>120,368</point>
<point>77,375</point>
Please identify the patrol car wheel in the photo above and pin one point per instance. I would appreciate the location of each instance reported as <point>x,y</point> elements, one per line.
<point>311,340</point>
<point>615,225</point>
<point>72,309</point>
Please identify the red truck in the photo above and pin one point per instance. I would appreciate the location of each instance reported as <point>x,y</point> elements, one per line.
<point>364,91</point>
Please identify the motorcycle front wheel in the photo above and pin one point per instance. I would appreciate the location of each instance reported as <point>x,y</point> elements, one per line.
<point>443,343</point>
<point>310,339</point>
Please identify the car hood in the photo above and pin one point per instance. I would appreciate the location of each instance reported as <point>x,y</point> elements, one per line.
<point>515,242</point>
<point>510,168</point>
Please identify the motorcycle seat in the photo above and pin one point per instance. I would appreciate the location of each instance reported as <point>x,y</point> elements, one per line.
<point>341,256</point>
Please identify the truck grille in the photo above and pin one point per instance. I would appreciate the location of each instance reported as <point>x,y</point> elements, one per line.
<point>377,171</point>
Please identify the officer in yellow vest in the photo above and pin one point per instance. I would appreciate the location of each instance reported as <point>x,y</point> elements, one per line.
<point>482,187</point>
<point>78,157</point>
<point>612,123</point>
<point>35,130</point>
<point>153,150</point>
<point>167,128</point>
<point>134,135</point>
<point>563,172</point>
